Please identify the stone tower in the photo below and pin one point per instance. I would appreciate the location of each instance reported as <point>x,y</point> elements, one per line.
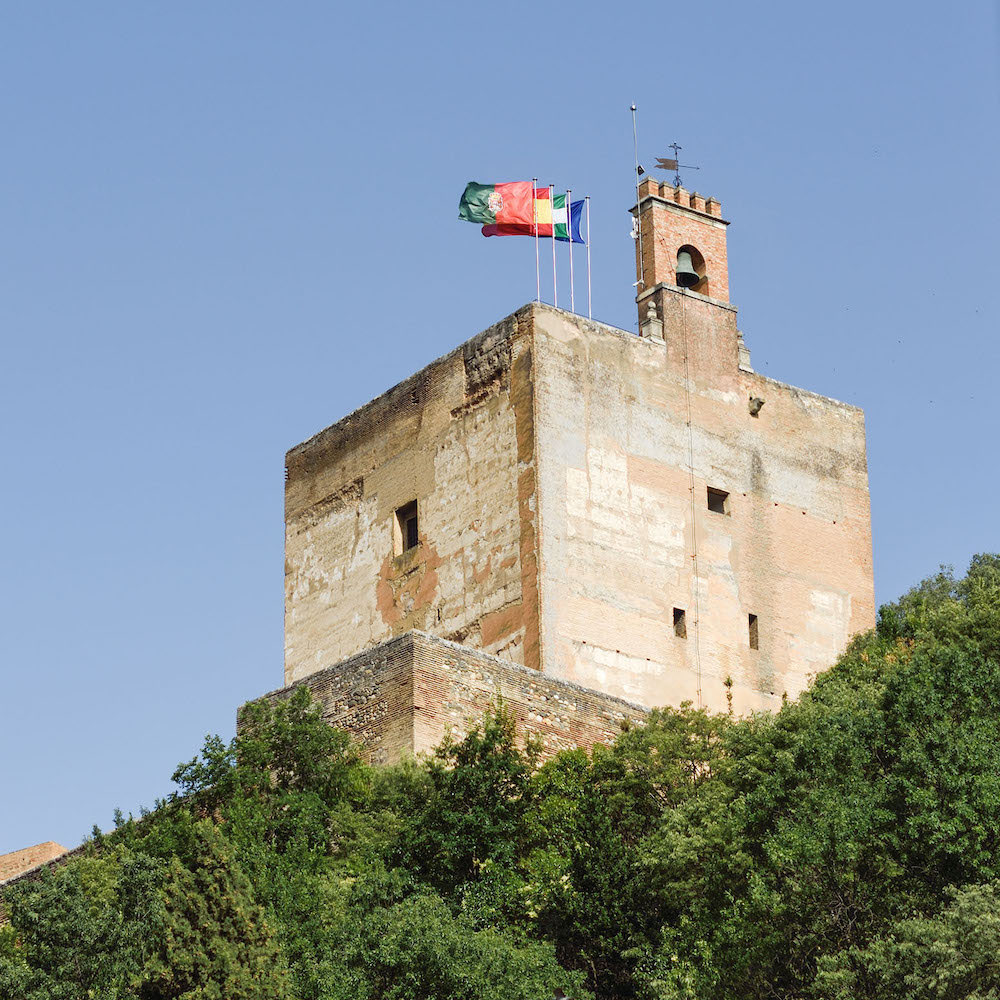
<point>585,521</point>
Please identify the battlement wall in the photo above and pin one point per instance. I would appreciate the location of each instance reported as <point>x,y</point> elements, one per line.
<point>405,695</point>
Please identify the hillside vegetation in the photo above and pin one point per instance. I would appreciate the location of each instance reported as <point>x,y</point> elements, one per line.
<point>846,847</point>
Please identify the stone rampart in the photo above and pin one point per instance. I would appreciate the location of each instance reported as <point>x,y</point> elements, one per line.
<point>404,695</point>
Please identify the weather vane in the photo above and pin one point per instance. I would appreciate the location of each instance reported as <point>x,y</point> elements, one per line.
<point>675,165</point>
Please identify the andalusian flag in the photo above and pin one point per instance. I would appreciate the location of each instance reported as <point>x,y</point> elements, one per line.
<point>567,226</point>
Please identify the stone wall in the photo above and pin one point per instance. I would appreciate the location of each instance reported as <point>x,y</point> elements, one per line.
<point>630,436</point>
<point>404,695</point>
<point>457,438</point>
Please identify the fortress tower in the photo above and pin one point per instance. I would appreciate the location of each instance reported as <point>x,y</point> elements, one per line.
<point>586,522</point>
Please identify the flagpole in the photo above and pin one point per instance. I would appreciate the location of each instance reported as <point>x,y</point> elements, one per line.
<point>552,226</point>
<point>640,284</point>
<point>590,311</point>
<point>534,220</point>
<point>569,231</point>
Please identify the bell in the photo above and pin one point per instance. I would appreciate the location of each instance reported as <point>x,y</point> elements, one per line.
<point>687,276</point>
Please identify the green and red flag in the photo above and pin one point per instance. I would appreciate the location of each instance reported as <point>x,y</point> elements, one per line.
<point>497,204</point>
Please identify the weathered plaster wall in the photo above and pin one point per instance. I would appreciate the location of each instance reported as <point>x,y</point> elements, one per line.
<point>405,695</point>
<point>458,438</point>
<point>627,536</point>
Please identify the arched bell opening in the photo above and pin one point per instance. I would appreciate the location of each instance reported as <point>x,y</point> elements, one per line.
<point>690,270</point>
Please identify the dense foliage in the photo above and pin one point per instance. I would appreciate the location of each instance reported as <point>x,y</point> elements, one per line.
<point>846,847</point>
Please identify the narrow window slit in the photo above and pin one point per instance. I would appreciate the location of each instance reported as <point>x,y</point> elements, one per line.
<point>405,534</point>
<point>754,634</point>
<point>680,623</point>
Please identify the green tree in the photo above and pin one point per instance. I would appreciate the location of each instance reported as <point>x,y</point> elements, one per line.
<point>400,942</point>
<point>215,943</point>
<point>846,846</point>
<point>475,797</point>
<point>951,955</point>
<point>587,882</point>
<point>84,930</point>
<point>849,809</point>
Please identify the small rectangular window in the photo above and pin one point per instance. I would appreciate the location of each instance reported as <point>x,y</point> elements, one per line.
<point>680,623</point>
<point>754,635</point>
<point>405,534</point>
<point>718,501</point>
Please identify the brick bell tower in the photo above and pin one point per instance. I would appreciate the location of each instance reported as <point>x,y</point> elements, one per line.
<point>681,266</point>
<point>673,220</point>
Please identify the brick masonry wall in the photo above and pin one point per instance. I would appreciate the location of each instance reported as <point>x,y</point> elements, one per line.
<point>404,695</point>
<point>669,219</point>
<point>370,695</point>
<point>18,862</point>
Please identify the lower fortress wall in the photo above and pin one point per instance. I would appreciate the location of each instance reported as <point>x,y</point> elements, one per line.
<point>405,695</point>
<point>19,862</point>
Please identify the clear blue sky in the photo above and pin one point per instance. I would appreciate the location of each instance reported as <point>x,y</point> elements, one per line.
<point>226,225</point>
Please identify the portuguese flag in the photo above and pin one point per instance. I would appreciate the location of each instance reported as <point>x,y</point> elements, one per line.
<point>497,204</point>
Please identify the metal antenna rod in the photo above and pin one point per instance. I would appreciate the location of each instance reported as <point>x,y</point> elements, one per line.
<point>552,233</point>
<point>534,223</point>
<point>635,149</point>
<point>590,308</point>
<point>569,230</point>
